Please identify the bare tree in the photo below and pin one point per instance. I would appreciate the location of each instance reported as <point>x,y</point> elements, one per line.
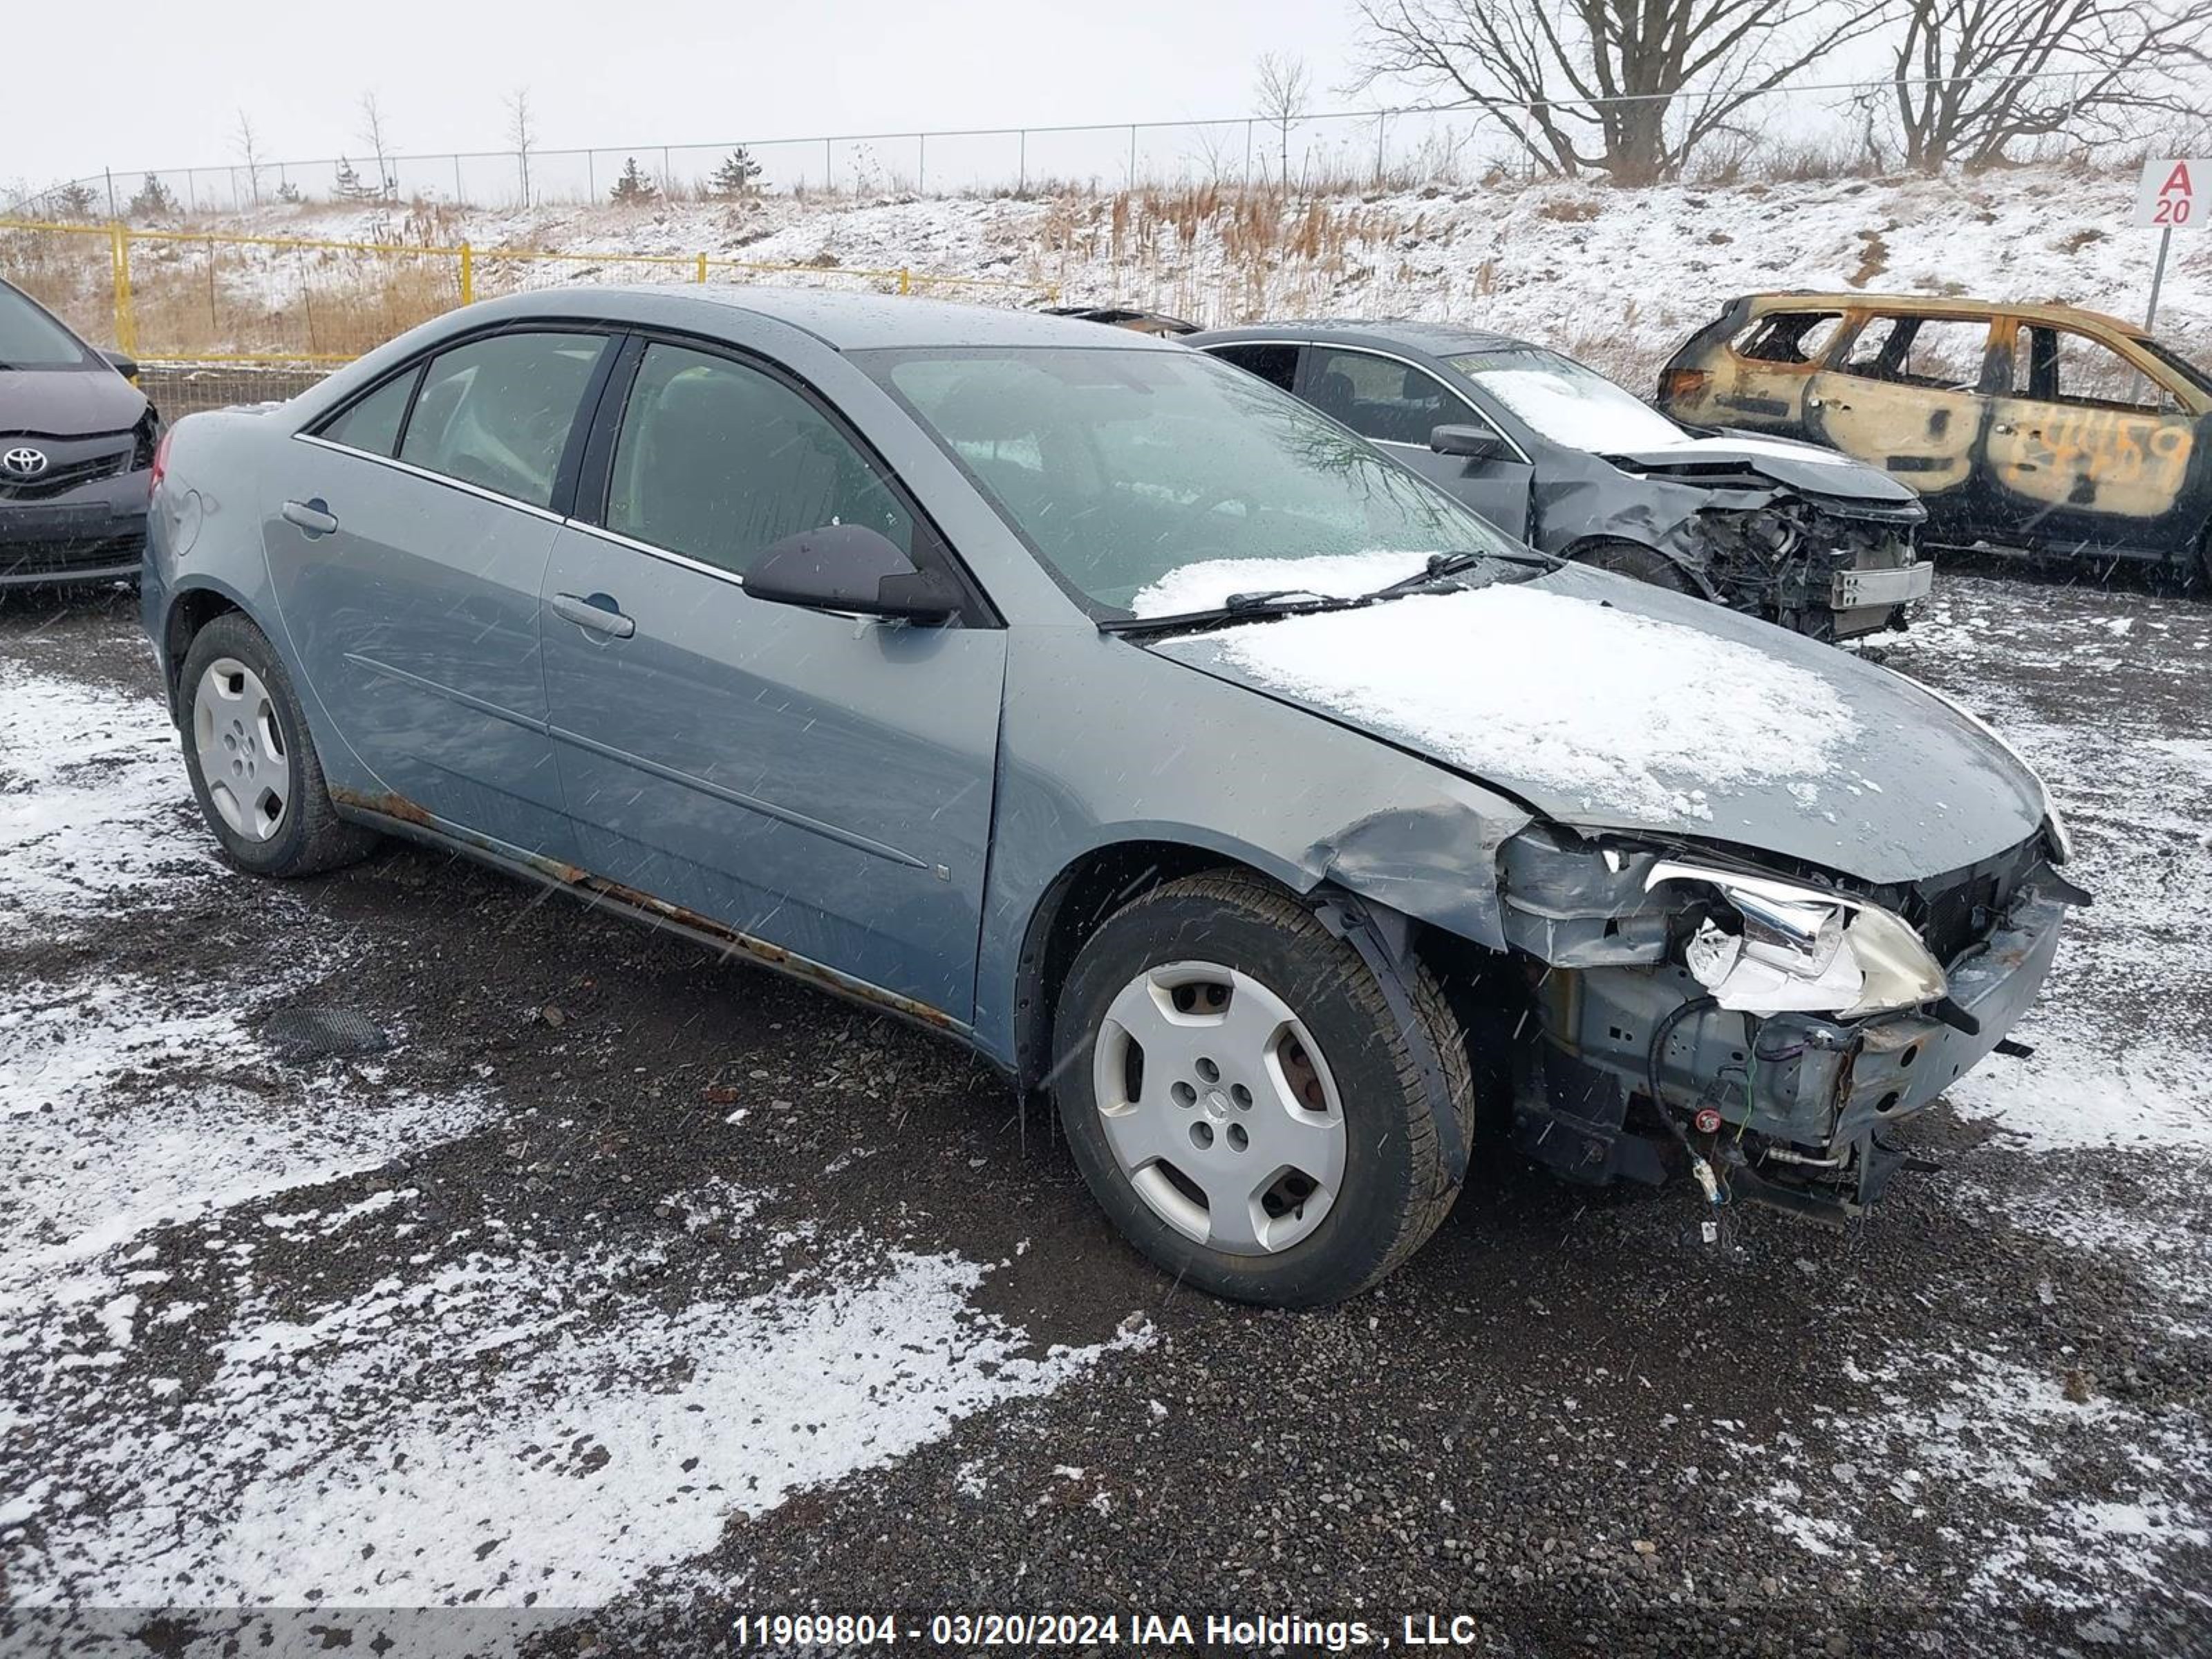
<point>249,151</point>
<point>1630,88</point>
<point>1281,92</point>
<point>1970,77</point>
<point>522,134</point>
<point>376,136</point>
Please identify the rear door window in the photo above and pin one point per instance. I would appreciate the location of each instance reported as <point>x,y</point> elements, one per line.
<point>497,412</point>
<point>717,460</point>
<point>1381,400</point>
<point>372,425</point>
<point>1276,364</point>
<point>1943,353</point>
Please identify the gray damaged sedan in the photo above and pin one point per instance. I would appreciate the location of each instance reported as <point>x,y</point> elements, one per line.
<point>1305,840</point>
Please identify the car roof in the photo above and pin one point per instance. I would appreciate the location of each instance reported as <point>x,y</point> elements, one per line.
<point>1933,305</point>
<point>865,322</point>
<point>1403,333</point>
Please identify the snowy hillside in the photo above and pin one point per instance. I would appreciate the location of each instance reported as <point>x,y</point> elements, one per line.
<point>1618,276</point>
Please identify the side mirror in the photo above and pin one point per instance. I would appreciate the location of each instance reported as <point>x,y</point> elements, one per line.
<point>122,363</point>
<point>1475,443</point>
<point>850,568</point>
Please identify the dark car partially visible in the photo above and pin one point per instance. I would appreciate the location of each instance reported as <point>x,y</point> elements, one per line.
<point>76,453</point>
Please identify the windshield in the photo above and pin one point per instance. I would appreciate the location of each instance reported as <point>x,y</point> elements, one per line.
<point>31,339</point>
<point>1568,403</point>
<point>1162,481</point>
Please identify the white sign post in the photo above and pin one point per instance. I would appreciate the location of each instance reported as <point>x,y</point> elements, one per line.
<point>2175,194</point>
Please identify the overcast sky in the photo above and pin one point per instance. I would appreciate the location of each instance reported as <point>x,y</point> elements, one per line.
<point>133,85</point>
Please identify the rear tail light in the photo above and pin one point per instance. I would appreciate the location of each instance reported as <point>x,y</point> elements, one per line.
<point>1683,386</point>
<point>162,457</point>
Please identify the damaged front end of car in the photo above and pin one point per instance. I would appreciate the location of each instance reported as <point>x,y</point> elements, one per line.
<point>1834,570</point>
<point>1764,1032</point>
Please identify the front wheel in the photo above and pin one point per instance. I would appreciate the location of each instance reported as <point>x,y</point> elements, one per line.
<point>1633,559</point>
<point>253,766</point>
<point>1241,1100</point>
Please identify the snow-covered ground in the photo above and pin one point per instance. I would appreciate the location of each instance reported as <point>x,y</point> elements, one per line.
<point>1618,276</point>
<point>518,1414</point>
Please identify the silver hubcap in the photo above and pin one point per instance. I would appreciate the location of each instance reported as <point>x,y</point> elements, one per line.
<point>241,749</point>
<point>1219,1108</point>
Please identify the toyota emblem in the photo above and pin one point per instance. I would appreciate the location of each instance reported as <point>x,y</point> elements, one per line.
<point>24,462</point>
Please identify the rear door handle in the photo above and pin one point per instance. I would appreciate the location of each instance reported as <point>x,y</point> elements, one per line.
<point>314,516</point>
<point>599,613</point>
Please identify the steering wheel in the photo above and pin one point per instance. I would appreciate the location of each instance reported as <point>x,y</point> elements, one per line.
<point>1219,499</point>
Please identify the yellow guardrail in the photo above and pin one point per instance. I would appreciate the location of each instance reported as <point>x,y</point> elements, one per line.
<point>465,263</point>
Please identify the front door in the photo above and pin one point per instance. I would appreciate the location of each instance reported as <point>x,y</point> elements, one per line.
<point>2089,450</point>
<point>1397,404</point>
<point>1908,394</point>
<point>407,541</point>
<point>818,782</point>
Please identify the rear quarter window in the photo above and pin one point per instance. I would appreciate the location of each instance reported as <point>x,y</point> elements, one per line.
<point>372,424</point>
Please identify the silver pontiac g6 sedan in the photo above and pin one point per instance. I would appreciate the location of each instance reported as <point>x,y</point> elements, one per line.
<point>1305,839</point>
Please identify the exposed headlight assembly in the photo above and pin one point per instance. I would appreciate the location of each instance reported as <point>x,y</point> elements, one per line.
<point>1798,949</point>
<point>2064,841</point>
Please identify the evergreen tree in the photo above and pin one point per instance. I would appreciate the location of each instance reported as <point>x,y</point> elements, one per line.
<point>349,186</point>
<point>734,178</point>
<point>289,192</point>
<point>75,201</point>
<point>635,187</point>
<point>153,200</point>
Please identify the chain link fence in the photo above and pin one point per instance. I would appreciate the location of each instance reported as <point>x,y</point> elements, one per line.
<point>1837,127</point>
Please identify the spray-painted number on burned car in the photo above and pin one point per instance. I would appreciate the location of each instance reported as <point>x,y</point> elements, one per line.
<point>1555,454</point>
<point>2039,429</point>
<point>1287,826</point>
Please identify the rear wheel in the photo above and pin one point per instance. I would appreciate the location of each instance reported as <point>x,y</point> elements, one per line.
<point>252,765</point>
<point>1241,1100</point>
<point>1633,559</point>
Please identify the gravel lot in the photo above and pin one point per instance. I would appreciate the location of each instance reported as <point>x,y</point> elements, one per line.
<point>615,1277</point>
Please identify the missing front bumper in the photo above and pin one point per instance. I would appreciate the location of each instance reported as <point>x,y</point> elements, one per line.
<point>1801,1106</point>
<point>1856,590</point>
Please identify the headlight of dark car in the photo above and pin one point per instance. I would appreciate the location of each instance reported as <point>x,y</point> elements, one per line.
<point>1771,946</point>
<point>145,436</point>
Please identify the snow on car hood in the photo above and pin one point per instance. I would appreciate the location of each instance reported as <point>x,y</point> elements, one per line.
<point>1606,704</point>
<point>1806,467</point>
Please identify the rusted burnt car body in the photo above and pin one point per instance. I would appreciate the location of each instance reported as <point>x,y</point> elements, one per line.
<point>1558,456</point>
<point>2036,429</point>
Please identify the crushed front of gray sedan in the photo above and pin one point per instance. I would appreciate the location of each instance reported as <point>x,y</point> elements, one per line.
<point>1750,531</point>
<point>1766,1036</point>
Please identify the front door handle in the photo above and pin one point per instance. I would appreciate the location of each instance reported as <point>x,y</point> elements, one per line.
<point>597,613</point>
<point>314,516</point>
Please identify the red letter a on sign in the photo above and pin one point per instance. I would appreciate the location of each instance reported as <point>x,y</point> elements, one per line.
<point>2177,181</point>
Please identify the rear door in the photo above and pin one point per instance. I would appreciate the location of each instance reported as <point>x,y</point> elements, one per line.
<point>407,541</point>
<point>1910,394</point>
<point>820,783</point>
<point>1397,404</point>
<point>2091,449</point>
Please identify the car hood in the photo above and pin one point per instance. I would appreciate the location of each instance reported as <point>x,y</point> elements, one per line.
<point>1805,468</point>
<point>1605,704</point>
<point>68,402</point>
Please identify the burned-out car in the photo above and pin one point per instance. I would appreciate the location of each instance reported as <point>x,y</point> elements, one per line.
<point>2036,429</point>
<point>1556,455</point>
<point>1095,703</point>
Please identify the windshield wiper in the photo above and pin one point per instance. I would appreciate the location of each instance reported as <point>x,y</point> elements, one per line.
<point>1239,607</point>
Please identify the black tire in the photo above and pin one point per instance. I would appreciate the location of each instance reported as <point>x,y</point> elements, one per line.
<point>1633,559</point>
<point>311,837</point>
<point>1395,1191</point>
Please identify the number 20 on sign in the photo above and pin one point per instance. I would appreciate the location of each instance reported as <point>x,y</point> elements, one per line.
<point>2175,194</point>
